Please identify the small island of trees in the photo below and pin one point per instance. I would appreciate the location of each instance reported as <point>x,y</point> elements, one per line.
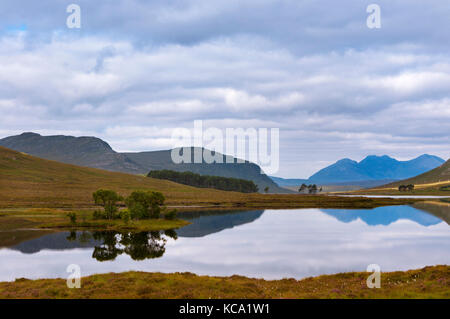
<point>406,188</point>
<point>206,181</point>
<point>140,205</point>
<point>309,189</point>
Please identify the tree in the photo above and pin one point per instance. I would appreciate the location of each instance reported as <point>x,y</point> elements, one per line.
<point>144,205</point>
<point>266,189</point>
<point>72,217</point>
<point>108,199</point>
<point>302,188</point>
<point>312,189</point>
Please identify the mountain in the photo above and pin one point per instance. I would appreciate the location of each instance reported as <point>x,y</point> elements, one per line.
<point>81,151</point>
<point>96,153</point>
<point>289,181</point>
<point>375,168</point>
<point>436,175</point>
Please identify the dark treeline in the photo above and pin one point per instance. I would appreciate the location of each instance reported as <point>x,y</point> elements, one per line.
<point>206,181</point>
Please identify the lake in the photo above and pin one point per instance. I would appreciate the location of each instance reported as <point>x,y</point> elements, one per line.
<point>268,244</point>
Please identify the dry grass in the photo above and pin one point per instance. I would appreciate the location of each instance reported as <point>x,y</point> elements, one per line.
<point>429,282</point>
<point>27,181</point>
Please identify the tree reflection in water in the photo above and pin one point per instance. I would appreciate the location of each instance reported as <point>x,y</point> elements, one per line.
<point>139,246</point>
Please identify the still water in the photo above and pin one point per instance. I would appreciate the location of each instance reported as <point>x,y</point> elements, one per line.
<point>268,244</point>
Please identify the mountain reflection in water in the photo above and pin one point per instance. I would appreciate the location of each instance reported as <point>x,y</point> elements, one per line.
<point>269,244</point>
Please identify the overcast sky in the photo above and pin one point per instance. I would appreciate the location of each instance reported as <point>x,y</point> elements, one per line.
<point>138,69</point>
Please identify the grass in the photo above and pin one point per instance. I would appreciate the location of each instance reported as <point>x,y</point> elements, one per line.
<point>437,189</point>
<point>31,182</point>
<point>434,182</point>
<point>429,282</point>
<point>56,219</point>
<point>118,225</point>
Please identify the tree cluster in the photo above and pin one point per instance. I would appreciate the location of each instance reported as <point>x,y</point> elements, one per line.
<point>206,181</point>
<point>309,189</point>
<point>140,205</point>
<point>406,188</point>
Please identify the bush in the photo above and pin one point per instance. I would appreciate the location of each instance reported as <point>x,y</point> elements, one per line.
<point>98,215</point>
<point>125,216</point>
<point>72,217</point>
<point>108,199</point>
<point>404,188</point>
<point>144,205</point>
<point>171,215</point>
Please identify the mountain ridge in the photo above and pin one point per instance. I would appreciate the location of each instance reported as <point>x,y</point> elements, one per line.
<point>372,171</point>
<point>374,167</point>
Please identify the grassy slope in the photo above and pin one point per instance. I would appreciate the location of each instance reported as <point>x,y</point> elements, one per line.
<point>429,282</point>
<point>428,183</point>
<point>439,174</point>
<point>27,181</point>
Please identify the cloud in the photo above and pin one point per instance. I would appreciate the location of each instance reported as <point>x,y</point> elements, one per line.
<point>136,70</point>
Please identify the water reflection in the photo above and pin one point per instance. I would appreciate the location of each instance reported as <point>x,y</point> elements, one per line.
<point>383,216</point>
<point>138,246</point>
<point>209,222</point>
<point>266,244</point>
<point>107,245</point>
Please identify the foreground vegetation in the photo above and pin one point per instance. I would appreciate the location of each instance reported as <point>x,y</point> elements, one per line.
<point>429,282</point>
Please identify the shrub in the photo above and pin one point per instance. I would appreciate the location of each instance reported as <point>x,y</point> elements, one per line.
<point>144,205</point>
<point>108,199</point>
<point>125,216</point>
<point>72,217</point>
<point>98,215</point>
<point>171,215</point>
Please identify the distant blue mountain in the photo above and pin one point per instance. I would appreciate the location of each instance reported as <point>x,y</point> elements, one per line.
<point>288,181</point>
<point>383,215</point>
<point>375,168</point>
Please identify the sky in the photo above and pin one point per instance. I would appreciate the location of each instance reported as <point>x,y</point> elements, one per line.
<point>136,70</point>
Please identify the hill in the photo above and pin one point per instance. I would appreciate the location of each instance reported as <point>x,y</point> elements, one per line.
<point>375,168</point>
<point>289,181</point>
<point>96,153</point>
<point>28,181</point>
<point>437,175</point>
<point>81,151</point>
<point>161,160</point>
